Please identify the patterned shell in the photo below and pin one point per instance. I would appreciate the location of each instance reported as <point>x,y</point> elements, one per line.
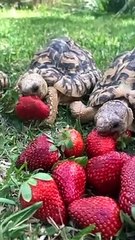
<point>117,82</point>
<point>67,67</point>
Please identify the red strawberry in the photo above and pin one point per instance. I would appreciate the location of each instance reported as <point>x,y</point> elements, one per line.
<point>40,153</point>
<point>103,212</point>
<point>103,172</point>
<point>41,187</point>
<point>71,143</point>
<point>31,108</point>
<point>127,193</point>
<point>70,178</point>
<point>98,145</point>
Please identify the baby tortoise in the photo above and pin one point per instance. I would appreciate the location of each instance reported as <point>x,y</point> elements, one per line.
<point>64,72</point>
<point>112,102</point>
<point>3,81</point>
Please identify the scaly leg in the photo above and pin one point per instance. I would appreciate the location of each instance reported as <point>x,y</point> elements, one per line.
<point>53,101</point>
<point>82,112</point>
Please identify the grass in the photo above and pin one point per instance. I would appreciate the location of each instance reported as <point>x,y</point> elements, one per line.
<point>22,33</point>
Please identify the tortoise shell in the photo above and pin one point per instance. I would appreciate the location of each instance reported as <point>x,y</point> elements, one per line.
<point>117,82</point>
<point>67,67</point>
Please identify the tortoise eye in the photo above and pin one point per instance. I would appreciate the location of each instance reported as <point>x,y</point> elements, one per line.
<point>35,88</point>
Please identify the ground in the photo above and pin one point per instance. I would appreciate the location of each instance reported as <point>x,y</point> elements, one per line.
<point>22,33</point>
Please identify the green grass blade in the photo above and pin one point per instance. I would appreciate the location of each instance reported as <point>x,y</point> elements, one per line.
<point>7,201</point>
<point>83,232</point>
<point>22,215</point>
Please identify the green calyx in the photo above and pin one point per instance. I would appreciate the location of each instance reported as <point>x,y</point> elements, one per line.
<point>26,191</point>
<point>124,141</point>
<point>80,160</point>
<point>64,140</point>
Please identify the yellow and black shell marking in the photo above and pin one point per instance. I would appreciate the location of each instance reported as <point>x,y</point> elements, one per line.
<point>67,67</point>
<point>117,82</point>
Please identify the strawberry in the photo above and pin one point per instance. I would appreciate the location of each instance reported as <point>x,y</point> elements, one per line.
<point>31,108</point>
<point>103,172</point>
<point>101,211</point>
<point>127,193</point>
<point>98,145</point>
<point>71,142</point>
<point>70,178</point>
<point>40,153</point>
<point>42,188</point>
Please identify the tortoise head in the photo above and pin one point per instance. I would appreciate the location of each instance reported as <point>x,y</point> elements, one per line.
<point>32,84</point>
<point>113,116</point>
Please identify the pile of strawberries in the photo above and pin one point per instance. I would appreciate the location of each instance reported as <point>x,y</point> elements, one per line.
<point>70,187</point>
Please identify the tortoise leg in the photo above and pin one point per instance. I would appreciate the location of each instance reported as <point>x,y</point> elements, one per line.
<point>3,80</point>
<point>53,101</point>
<point>82,112</point>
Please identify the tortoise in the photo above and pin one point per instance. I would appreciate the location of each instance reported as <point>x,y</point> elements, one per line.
<point>112,102</point>
<point>3,163</point>
<point>4,166</point>
<point>3,81</point>
<point>63,72</point>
